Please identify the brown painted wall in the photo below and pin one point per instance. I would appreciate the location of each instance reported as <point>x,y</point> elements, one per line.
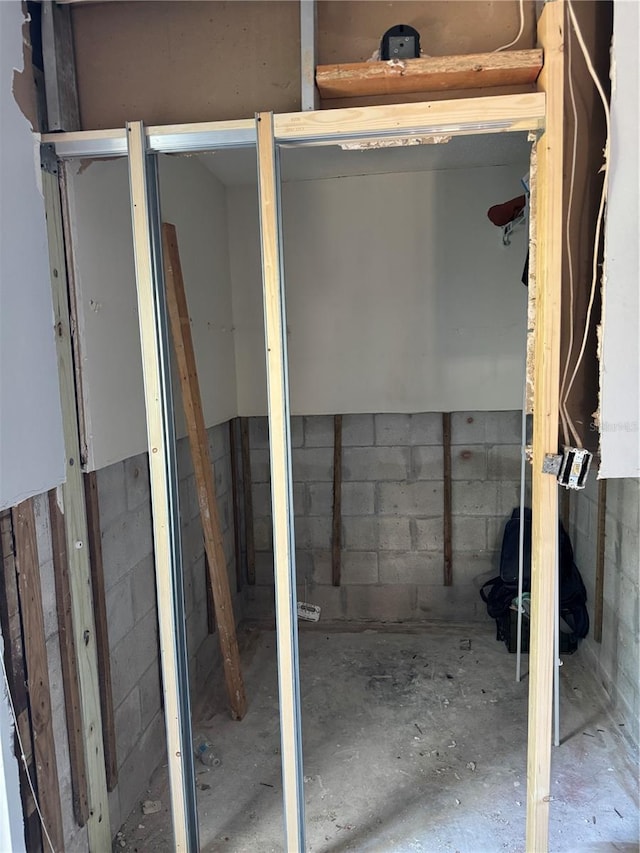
<point>350,30</point>
<point>171,62</point>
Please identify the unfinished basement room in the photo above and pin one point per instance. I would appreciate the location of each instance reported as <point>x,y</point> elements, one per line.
<point>320,452</point>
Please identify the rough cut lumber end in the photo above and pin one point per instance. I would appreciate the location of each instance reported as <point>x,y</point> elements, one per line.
<point>429,74</point>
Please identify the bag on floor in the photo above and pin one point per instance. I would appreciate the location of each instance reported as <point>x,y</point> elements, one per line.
<point>510,550</point>
<point>499,592</point>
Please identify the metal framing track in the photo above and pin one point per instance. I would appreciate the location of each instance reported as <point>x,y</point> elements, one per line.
<point>154,339</point>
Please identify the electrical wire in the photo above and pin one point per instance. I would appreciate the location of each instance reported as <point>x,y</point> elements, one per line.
<point>564,415</point>
<point>520,31</point>
<point>23,756</point>
<point>600,217</point>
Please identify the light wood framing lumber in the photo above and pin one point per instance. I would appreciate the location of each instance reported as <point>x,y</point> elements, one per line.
<point>247,494</point>
<point>493,114</point>
<point>429,74</point>
<point>70,683</point>
<point>336,533</point>
<point>281,487</point>
<point>235,498</point>
<point>35,652</point>
<point>102,631</point>
<point>199,444</point>
<point>161,469</point>
<point>446,518</point>
<point>84,636</point>
<point>63,111</point>
<point>465,115</point>
<point>549,221</point>
<point>602,532</point>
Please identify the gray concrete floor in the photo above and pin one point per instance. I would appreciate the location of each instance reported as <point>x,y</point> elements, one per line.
<point>413,741</point>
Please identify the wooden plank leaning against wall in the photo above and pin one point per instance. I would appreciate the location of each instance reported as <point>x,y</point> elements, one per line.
<point>185,357</point>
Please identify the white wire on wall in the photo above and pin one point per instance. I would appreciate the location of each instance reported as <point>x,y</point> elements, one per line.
<point>520,31</point>
<point>23,757</point>
<point>599,220</point>
<point>564,417</point>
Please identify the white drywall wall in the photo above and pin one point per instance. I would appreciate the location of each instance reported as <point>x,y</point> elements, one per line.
<point>31,443</point>
<point>400,295</point>
<point>620,363</point>
<point>194,201</point>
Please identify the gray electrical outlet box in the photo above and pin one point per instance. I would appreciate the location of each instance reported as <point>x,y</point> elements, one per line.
<point>400,42</point>
<point>402,47</point>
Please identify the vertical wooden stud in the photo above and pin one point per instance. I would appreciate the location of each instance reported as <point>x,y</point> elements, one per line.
<point>102,632</point>
<point>602,531</point>
<point>63,112</point>
<point>446,519</point>
<point>336,534</point>
<point>245,449</point>
<point>549,228</point>
<point>281,485</point>
<point>70,683</point>
<point>44,745</point>
<point>198,442</point>
<point>84,637</point>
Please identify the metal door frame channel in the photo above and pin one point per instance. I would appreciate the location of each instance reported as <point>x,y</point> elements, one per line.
<point>268,133</point>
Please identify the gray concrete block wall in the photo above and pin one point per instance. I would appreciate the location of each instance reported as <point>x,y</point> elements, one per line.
<point>392,507</point>
<point>616,660</point>
<point>127,550</point>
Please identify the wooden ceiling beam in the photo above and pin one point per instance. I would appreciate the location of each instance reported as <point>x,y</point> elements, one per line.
<point>429,74</point>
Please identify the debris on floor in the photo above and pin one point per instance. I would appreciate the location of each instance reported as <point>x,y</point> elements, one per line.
<point>414,748</point>
<point>151,807</point>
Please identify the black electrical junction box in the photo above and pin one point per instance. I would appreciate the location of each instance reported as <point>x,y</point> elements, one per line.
<point>400,42</point>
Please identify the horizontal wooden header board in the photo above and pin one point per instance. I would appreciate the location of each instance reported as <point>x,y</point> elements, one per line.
<point>429,74</point>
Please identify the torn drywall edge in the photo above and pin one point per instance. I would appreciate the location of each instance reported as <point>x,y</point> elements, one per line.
<point>23,85</point>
